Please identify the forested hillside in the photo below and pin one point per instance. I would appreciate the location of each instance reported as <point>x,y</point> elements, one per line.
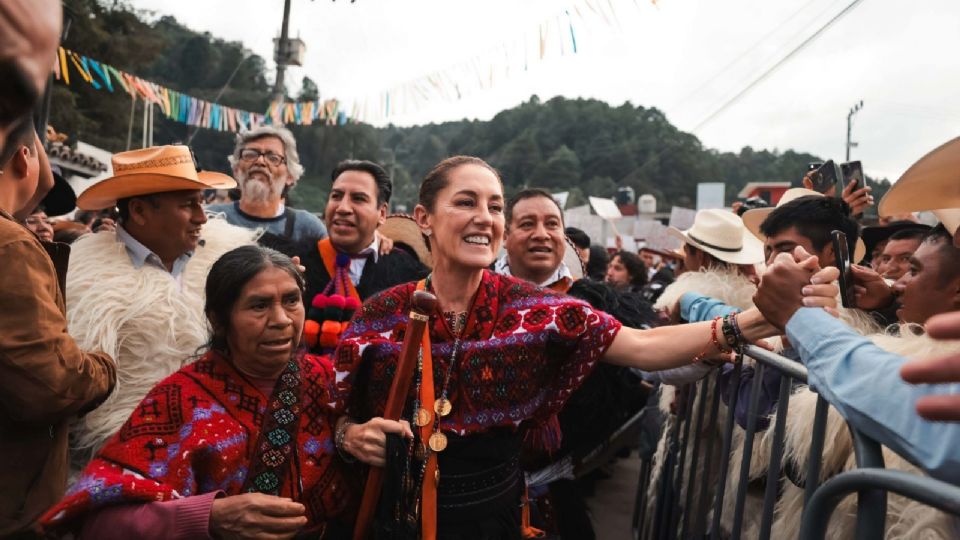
<point>585,146</point>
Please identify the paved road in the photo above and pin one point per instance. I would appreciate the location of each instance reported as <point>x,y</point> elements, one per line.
<point>611,505</point>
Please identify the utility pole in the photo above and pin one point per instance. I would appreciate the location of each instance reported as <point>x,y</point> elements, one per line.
<point>282,53</point>
<point>853,110</point>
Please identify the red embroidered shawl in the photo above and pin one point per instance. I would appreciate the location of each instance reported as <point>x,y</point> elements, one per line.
<point>196,432</point>
<point>524,351</point>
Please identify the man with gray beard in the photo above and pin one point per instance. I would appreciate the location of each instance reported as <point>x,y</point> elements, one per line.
<point>267,166</point>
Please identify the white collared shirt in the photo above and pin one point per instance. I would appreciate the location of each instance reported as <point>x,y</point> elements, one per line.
<point>357,265</point>
<point>141,255</point>
<point>502,266</point>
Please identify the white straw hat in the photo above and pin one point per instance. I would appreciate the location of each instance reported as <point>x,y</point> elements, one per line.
<point>721,233</point>
<point>932,183</point>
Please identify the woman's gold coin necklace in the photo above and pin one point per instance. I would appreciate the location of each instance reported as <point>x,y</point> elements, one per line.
<point>442,405</point>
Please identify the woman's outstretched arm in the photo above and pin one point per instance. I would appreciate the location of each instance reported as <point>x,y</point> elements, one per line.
<point>673,346</point>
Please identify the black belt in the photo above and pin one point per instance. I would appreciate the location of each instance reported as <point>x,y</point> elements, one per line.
<point>479,488</point>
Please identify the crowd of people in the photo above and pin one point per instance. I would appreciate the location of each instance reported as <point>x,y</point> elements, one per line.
<point>172,367</point>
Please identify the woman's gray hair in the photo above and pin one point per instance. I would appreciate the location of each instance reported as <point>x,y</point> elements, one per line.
<point>289,147</point>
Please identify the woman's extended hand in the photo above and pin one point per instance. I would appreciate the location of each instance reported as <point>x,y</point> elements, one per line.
<point>368,442</point>
<point>256,515</point>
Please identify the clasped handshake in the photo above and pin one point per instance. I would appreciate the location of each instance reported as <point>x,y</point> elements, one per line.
<point>793,281</point>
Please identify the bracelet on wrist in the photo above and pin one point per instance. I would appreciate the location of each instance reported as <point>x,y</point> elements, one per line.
<point>338,440</point>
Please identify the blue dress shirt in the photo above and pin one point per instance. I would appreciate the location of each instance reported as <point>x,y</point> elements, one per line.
<point>862,381</point>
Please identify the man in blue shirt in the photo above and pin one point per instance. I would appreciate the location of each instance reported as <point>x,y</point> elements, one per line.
<point>858,378</point>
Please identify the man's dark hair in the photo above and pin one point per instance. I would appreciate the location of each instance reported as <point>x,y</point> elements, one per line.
<point>578,237</point>
<point>597,265</point>
<point>635,267</point>
<point>528,193</point>
<point>22,134</point>
<point>814,217</point>
<point>380,177</point>
<point>917,234</point>
<point>949,254</point>
<point>123,206</point>
<point>18,95</point>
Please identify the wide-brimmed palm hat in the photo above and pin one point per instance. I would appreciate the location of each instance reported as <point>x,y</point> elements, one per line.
<point>752,219</point>
<point>156,169</point>
<point>722,234</point>
<point>932,183</point>
<point>950,217</point>
<point>402,229</point>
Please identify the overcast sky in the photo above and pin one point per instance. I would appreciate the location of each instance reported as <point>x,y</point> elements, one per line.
<point>685,57</point>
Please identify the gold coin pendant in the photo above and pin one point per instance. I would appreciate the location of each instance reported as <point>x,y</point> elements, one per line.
<point>442,406</point>
<point>422,417</point>
<point>438,441</point>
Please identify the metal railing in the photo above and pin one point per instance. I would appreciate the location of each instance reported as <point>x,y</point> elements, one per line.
<point>685,501</point>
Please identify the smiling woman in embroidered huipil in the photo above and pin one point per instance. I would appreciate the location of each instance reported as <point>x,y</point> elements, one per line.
<point>501,358</point>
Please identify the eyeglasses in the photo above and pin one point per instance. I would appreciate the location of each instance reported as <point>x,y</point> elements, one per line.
<point>35,221</point>
<point>252,154</point>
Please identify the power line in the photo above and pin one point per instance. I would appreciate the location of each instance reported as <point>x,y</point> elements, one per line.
<point>777,65</point>
<point>745,52</point>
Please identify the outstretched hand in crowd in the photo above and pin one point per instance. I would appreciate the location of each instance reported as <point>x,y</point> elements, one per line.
<point>870,289</point>
<point>945,369</point>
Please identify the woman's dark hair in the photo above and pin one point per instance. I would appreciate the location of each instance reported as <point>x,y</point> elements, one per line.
<point>635,267</point>
<point>597,265</point>
<point>232,271</point>
<point>437,178</point>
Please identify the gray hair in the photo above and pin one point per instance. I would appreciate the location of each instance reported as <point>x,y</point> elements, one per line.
<point>289,147</point>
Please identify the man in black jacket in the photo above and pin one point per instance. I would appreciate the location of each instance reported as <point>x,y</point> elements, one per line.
<point>356,207</point>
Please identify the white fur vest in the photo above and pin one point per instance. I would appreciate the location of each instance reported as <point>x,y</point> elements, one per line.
<point>140,317</point>
<point>905,519</point>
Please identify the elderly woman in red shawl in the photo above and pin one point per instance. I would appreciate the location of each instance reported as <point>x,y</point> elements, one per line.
<point>500,359</point>
<point>235,445</point>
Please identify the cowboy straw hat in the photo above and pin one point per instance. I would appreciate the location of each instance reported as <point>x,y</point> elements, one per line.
<point>950,217</point>
<point>571,258</point>
<point>932,183</point>
<point>721,233</point>
<point>402,229</point>
<point>156,169</point>
<point>753,218</point>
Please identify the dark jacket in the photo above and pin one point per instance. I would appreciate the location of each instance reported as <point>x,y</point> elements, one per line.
<point>45,379</point>
<point>394,268</point>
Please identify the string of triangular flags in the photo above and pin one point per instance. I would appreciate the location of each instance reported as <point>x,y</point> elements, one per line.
<point>188,109</point>
<point>554,36</point>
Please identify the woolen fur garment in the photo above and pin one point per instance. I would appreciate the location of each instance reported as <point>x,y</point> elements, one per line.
<point>905,519</point>
<point>731,287</point>
<point>139,317</point>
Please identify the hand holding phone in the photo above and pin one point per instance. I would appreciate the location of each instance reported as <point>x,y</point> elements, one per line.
<point>841,251</point>
<point>856,193</point>
<point>824,178</point>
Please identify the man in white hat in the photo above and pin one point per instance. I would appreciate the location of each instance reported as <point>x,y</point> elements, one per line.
<point>720,255</point>
<point>841,363</point>
<point>137,292</point>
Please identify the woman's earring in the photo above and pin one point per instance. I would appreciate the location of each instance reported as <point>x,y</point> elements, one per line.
<point>427,232</point>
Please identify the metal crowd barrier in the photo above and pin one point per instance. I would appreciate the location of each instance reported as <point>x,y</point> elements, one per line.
<point>680,506</point>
